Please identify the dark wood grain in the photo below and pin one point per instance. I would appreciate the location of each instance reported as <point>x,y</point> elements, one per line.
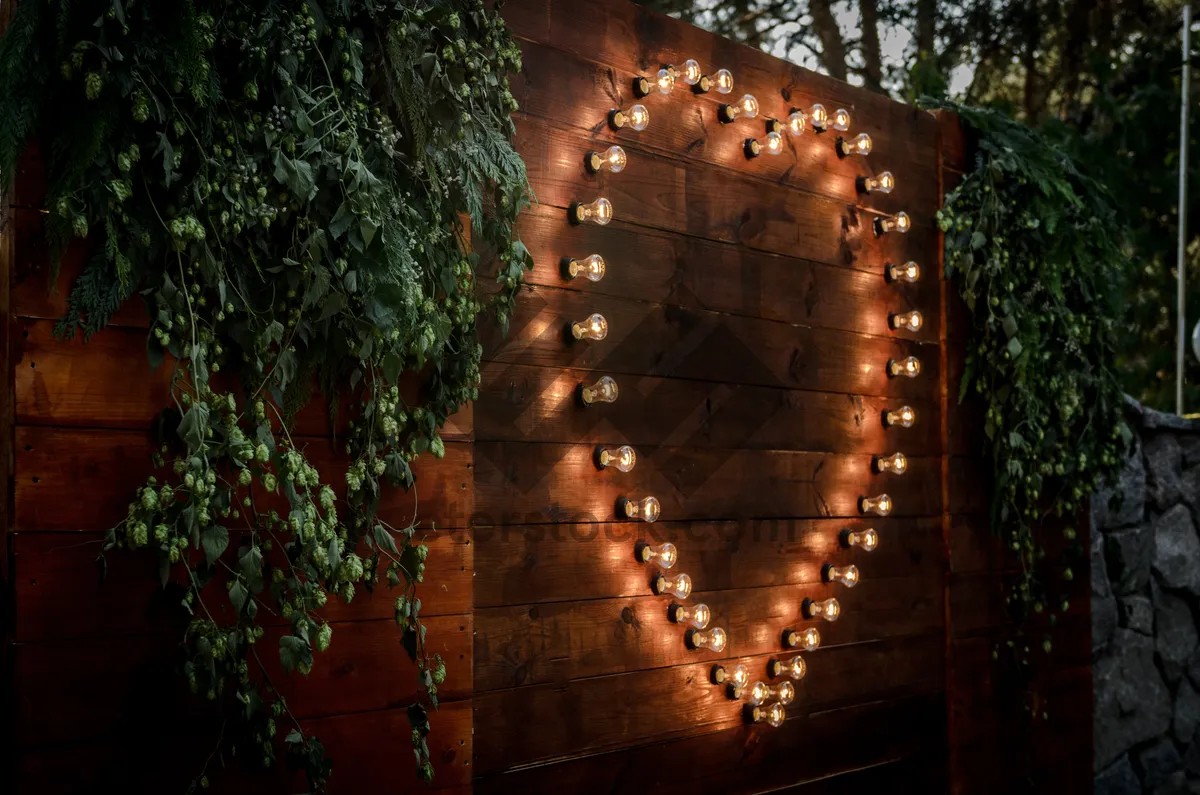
<point>622,710</point>
<point>535,483</point>
<point>809,751</point>
<point>665,341</point>
<point>539,644</point>
<point>539,563</point>
<point>100,469</point>
<point>646,265</point>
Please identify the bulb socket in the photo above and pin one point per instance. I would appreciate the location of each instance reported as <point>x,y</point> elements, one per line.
<point>703,85</point>
<point>593,162</point>
<point>576,214</point>
<point>726,114</point>
<point>861,184</point>
<point>774,126</point>
<point>774,668</point>
<point>752,148</point>
<point>791,638</point>
<point>733,692</point>
<point>570,268</point>
<point>824,575</point>
<point>675,613</point>
<point>659,585</point>
<point>641,87</point>
<point>806,606</point>
<point>617,118</point>
<point>718,675</point>
<point>842,151</point>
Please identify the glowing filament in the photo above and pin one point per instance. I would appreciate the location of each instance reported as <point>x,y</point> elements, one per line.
<point>772,145</point>
<point>889,223</point>
<point>621,458</point>
<point>903,416</point>
<point>880,506</point>
<point>908,272</point>
<point>737,676</point>
<point>840,120</point>
<point>909,367</point>
<point>867,539</point>
<point>772,715</point>
<point>594,328</point>
<point>613,158</point>
<point>895,463</point>
<point>793,669</point>
<point>647,510</point>
<point>696,617</point>
<point>806,639</point>
<point>818,117</point>
<point>679,586</point>
<point>664,81</point>
<point>828,609</point>
<point>761,692</point>
<point>908,321</point>
<point>592,268</point>
<point>846,575</point>
<point>713,639</point>
<point>599,212</point>
<point>636,118</point>
<point>884,183</point>
<point>723,80</point>
<point>796,122</point>
<point>858,145</point>
<point>603,391</point>
<point>692,72</point>
<point>744,108</point>
<point>663,555</point>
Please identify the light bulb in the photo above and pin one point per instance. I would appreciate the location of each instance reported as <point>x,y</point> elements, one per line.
<point>692,72</point>
<point>772,145</point>
<point>846,575</point>
<point>761,692</point>
<point>909,367</point>
<point>868,539</point>
<point>818,117</point>
<point>723,80</point>
<point>713,639</point>
<point>613,159</point>
<point>840,120</point>
<point>908,272</point>
<point>744,108</point>
<point>895,463</point>
<point>772,715</point>
<point>794,668</point>
<point>679,586</point>
<point>599,212</point>
<point>880,184</point>
<point>828,609</point>
<point>591,267</point>
<point>697,617</point>
<point>881,505</point>
<point>647,510</point>
<point>603,391</point>
<point>889,223</point>
<point>636,118</point>
<point>594,328</point>
<point>796,122</point>
<point>908,321</point>
<point>806,639</point>
<point>621,458</point>
<point>858,145</point>
<point>664,555</point>
<point>903,416</point>
<point>737,676</point>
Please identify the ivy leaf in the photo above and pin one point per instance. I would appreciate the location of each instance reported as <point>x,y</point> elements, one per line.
<point>214,540</point>
<point>294,652</point>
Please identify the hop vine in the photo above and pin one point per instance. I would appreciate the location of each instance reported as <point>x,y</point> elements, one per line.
<point>292,189</point>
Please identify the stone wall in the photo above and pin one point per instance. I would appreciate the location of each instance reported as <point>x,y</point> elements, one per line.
<point>1145,602</point>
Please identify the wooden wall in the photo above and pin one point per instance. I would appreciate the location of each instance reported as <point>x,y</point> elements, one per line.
<point>748,333</point>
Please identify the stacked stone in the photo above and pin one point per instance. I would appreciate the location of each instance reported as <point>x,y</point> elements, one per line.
<point>1145,602</point>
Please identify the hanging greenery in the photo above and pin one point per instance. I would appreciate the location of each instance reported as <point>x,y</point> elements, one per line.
<point>1035,249</point>
<point>286,185</point>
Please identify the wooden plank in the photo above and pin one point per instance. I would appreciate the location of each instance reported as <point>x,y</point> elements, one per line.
<point>578,93</point>
<point>107,382</point>
<point>153,757</point>
<point>650,339</point>
<point>811,748</point>
<point>539,563</point>
<point>59,594</point>
<point>534,483</point>
<point>548,643</point>
<point>633,38</point>
<point>714,204</point>
<point>100,469</point>
<point>541,404</point>
<point>623,710</point>
<point>647,265</point>
<point>141,681</point>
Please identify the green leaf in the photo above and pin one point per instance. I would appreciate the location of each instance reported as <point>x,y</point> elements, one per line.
<point>1009,325</point>
<point>384,539</point>
<point>1014,347</point>
<point>238,596</point>
<point>193,428</point>
<point>978,239</point>
<point>214,540</point>
<point>294,652</point>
